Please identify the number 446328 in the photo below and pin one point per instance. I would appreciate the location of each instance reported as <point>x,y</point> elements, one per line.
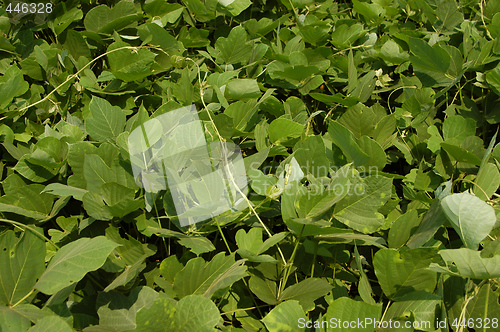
<point>30,8</point>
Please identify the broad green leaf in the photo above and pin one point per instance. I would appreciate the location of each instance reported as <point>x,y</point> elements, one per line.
<point>107,121</point>
<point>96,173</point>
<point>343,138</point>
<point>28,201</point>
<point>51,323</point>
<point>241,112</point>
<point>374,150</point>
<point>458,127</point>
<point>202,11</point>
<point>118,311</point>
<point>470,264</point>
<point>484,307</point>
<point>344,36</point>
<point>391,53</point>
<point>493,79</point>
<point>12,88</point>
<point>335,99</point>
<point>402,228</point>
<point>461,154</point>
<point>372,12</point>
<point>358,209</point>
<point>400,273</point>
<point>204,278</point>
<point>73,261</point>
<point>282,129</point>
<point>306,292</point>
<point>233,49</point>
<point>233,7</point>
<point>159,36</point>
<point>102,19</point>
<point>265,289</point>
<point>487,181</point>
<point>471,217</point>
<point>11,320</point>
<point>347,310</point>
<point>432,221</point>
<point>128,63</point>
<point>311,155</point>
<point>196,313</point>
<point>239,89</point>
<point>33,172</point>
<point>430,63</point>
<point>159,316</point>
<point>361,122</point>
<point>197,244</point>
<point>318,200</point>
<point>286,317</point>
<point>416,307</point>
<point>63,190</point>
<point>22,261</point>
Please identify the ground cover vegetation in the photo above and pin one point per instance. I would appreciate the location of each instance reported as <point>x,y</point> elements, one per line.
<point>368,131</point>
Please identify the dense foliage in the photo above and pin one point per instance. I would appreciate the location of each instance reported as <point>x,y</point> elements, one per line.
<point>368,131</point>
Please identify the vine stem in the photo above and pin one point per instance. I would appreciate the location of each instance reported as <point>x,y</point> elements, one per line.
<point>230,175</point>
<point>69,78</point>
<point>24,227</point>
<point>289,265</point>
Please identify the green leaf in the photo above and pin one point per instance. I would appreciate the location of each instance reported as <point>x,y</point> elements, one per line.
<point>402,228</point>
<point>117,311</point>
<point>471,217</point>
<point>461,154</point>
<point>347,310</point>
<point>458,127</point>
<point>484,306</point>
<point>10,320</point>
<point>337,98</point>
<point>470,264</point>
<point>285,317</point>
<point>107,121</point>
<point>282,129</point>
<point>416,307</point>
<point>374,150</point>
<point>400,273</point>
<point>487,181</point>
<point>128,63</point>
<point>344,36</point>
<point>51,323</point>
<point>233,49</point>
<point>306,292</point>
<point>34,172</point>
<point>102,19</point>
<point>197,244</point>
<point>342,137</point>
<point>239,89</point>
<point>22,261</point>
<point>391,53</point>
<point>63,190</point>
<point>430,63</point>
<point>196,313</point>
<point>493,79</point>
<point>13,87</point>
<point>73,261</point>
<point>200,277</point>
<point>233,7</point>
<point>28,201</point>
<point>159,316</point>
<point>358,209</point>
